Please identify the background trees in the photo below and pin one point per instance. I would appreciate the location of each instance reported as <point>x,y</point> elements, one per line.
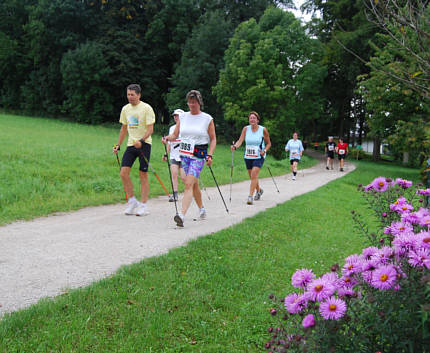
<point>360,68</point>
<point>268,69</point>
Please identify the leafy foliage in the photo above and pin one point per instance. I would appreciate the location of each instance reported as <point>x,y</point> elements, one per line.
<point>268,69</point>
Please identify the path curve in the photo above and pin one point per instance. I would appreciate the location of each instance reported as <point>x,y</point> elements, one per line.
<point>47,256</point>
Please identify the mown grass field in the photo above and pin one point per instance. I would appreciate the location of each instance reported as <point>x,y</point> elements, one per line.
<point>209,296</point>
<point>51,166</point>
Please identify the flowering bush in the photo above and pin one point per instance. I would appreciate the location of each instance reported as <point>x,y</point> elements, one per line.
<point>379,300</point>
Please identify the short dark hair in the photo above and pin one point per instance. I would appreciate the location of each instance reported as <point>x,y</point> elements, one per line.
<point>134,87</point>
<point>196,95</point>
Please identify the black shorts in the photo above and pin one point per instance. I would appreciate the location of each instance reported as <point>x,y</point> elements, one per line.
<point>341,156</point>
<point>131,153</point>
<point>251,163</point>
<point>175,162</point>
<point>294,160</point>
<point>330,154</point>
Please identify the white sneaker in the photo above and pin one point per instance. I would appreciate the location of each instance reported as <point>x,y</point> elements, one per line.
<point>202,213</point>
<point>294,177</point>
<point>250,200</point>
<point>179,219</point>
<point>131,206</point>
<point>142,210</point>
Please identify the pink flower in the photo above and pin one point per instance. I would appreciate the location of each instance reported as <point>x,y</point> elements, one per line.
<point>380,184</point>
<point>400,227</point>
<point>423,240</point>
<point>423,192</point>
<point>411,218</point>
<point>405,184</point>
<point>319,289</point>
<point>345,291</point>
<point>420,258</point>
<point>333,309</point>
<point>308,321</point>
<point>294,303</point>
<point>383,255</point>
<point>352,265</point>
<point>384,277</point>
<point>368,252</point>
<point>404,242</point>
<point>401,206</point>
<point>301,278</point>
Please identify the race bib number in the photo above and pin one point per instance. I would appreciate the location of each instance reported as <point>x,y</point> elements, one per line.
<point>186,147</point>
<point>330,147</point>
<point>251,151</point>
<point>341,151</point>
<point>294,153</point>
<point>175,144</point>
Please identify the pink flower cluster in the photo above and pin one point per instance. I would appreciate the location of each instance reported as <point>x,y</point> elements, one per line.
<point>380,268</point>
<point>382,184</point>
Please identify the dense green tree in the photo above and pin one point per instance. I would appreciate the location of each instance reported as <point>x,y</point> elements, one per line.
<point>407,24</point>
<point>268,69</point>
<point>394,110</point>
<point>345,32</point>
<point>84,71</point>
<point>201,62</point>
<point>14,63</point>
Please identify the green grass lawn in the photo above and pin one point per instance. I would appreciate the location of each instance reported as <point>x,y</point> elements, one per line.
<point>208,296</point>
<point>49,166</point>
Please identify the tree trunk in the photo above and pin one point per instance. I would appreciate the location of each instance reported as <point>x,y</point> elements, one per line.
<point>405,158</point>
<point>376,149</point>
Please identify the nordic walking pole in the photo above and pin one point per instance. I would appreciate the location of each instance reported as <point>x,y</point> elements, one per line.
<point>204,187</point>
<point>171,180</point>
<point>218,188</point>
<point>156,175</point>
<point>231,171</point>
<point>119,165</point>
<point>274,182</point>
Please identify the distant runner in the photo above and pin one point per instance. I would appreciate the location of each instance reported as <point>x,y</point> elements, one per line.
<point>330,148</point>
<point>137,118</point>
<point>175,159</point>
<point>342,152</point>
<point>257,142</point>
<point>295,147</point>
<point>198,142</point>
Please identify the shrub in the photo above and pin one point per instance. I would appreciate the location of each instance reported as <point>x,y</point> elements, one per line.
<point>378,301</point>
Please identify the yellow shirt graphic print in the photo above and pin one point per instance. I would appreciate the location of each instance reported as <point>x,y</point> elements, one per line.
<point>137,118</point>
<point>133,121</point>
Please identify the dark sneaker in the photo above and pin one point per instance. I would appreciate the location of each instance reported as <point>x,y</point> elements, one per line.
<point>258,195</point>
<point>179,220</point>
<point>326,167</point>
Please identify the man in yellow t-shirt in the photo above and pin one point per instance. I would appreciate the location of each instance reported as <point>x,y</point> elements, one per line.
<point>137,119</point>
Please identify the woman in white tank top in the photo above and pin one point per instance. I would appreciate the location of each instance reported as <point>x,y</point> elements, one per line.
<point>198,142</point>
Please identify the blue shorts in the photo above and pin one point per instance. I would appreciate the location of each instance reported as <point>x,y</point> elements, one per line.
<point>251,163</point>
<point>192,166</point>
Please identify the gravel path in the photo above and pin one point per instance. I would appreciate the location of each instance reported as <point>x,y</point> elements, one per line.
<point>47,256</point>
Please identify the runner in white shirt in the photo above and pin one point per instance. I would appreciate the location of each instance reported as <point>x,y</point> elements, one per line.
<point>295,147</point>
<point>198,142</point>
<point>175,159</point>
